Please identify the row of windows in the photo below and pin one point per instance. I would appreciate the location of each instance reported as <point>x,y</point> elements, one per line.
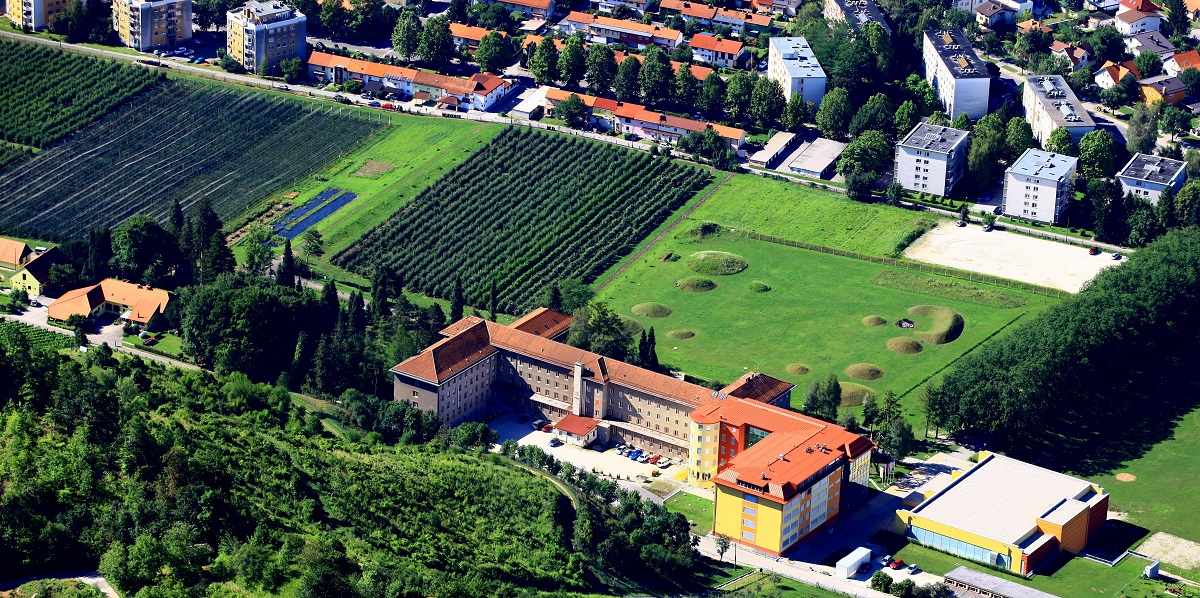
<point>958,547</point>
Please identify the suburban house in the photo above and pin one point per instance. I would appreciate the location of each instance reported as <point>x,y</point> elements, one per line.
<point>1050,104</point>
<point>931,159</point>
<point>577,430</point>
<point>1038,185</point>
<point>146,25</point>
<point>480,91</point>
<point>1147,176</point>
<point>856,12</point>
<point>1193,8</point>
<point>263,34</point>
<point>1181,61</point>
<point>1167,88</point>
<point>967,5</point>
<point>714,50</point>
<point>957,73</point>
<point>1138,6</point>
<point>129,302</point>
<point>818,159</point>
<point>993,15</point>
<point>605,30</point>
<point>1079,56</point>
<point>533,41</point>
<point>638,6</point>
<point>1099,19</point>
<point>1111,73</point>
<point>1152,41</point>
<point>791,63</point>
<point>602,111</point>
<point>33,276</point>
<point>779,7</point>
<point>1133,22</point>
<point>541,9</point>
<point>700,72</point>
<point>13,253</point>
<point>467,38</point>
<point>1009,514</point>
<point>635,119</point>
<point>1031,25</point>
<point>741,21</point>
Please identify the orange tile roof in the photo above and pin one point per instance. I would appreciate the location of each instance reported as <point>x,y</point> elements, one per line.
<point>749,18</point>
<point>640,113</point>
<point>1141,5</point>
<point>691,9</point>
<point>555,95</point>
<point>1031,24</point>
<point>472,33</point>
<point>542,4</point>
<point>711,43</point>
<point>544,322</point>
<point>1192,5</point>
<point>699,72</point>
<point>581,17</point>
<point>577,425</point>
<point>142,301</point>
<point>1185,60</point>
<point>478,83</point>
<point>449,356</point>
<point>650,30</point>
<point>12,251</point>
<point>537,40</point>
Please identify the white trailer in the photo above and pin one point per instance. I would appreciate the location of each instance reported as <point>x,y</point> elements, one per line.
<point>849,565</point>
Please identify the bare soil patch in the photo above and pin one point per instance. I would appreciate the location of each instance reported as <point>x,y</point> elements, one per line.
<point>1126,477</point>
<point>373,169</point>
<point>1173,550</point>
<point>798,369</point>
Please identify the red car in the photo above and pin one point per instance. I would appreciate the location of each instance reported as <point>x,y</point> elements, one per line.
<point>897,564</point>
<point>547,427</point>
<point>653,459</point>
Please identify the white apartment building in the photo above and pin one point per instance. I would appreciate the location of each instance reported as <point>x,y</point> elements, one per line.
<point>931,159</point>
<point>1050,104</point>
<point>957,73</point>
<point>263,34</point>
<point>1038,185</point>
<point>148,25</point>
<point>791,63</point>
<point>1147,176</point>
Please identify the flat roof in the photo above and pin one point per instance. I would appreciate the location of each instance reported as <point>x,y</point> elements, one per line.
<point>798,57</point>
<point>861,12</point>
<point>934,138</point>
<point>818,155</point>
<point>1059,101</point>
<point>1001,498</point>
<point>955,51</point>
<point>991,583</point>
<point>778,142</point>
<point>1154,169</point>
<point>1042,164</point>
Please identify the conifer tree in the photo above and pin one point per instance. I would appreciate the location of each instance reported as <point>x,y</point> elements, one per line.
<point>285,274</point>
<point>651,352</point>
<point>492,300</point>
<point>555,298</point>
<point>457,303</point>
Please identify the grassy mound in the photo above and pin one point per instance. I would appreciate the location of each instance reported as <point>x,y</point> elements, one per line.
<point>696,284</point>
<point>874,321</point>
<point>716,263</point>
<point>853,394</point>
<point>905,345</point>
<point>798,369</point>
<point>864,371</point>
<point>680,334</point>
<point>631,326</point>
<point>947,324</point>
<point>759,286</point>
<point>650,309</point>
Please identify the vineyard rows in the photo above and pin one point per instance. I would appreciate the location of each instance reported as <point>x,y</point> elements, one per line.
<point>527,209</point>
<point>49,94</point>
<point>10,153</point>
<point>177,142</point>
<point>37,338</point>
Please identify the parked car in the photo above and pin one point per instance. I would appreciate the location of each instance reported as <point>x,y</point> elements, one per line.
<point>987,228</point>
<point>897,564</point>
<point>547,427</point>
<point>885,561</point>
<point>35,303</point>
<point>960,223</point>
<point>1093,250</point>
<point>374,104</point>
<point>555,442</point>
<point>635,454</point>
<point>998,210</point>
<point>1116,256</point>
<point>644,457</point>
<point>913,569</point>
<point>283,87</point>
<point>538,423</point>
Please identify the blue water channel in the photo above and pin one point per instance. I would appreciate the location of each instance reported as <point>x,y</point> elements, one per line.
<point>291,217</point>
<point>298,228</point>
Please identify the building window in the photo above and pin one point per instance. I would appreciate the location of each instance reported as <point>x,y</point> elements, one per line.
<point>748,536</point>
<point>751,511</point>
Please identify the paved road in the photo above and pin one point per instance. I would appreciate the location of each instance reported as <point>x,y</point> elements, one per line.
<point>808,574</point>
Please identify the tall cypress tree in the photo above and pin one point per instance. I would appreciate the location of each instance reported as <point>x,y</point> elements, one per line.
<point>642,358</point>
<point>456,301</point>
<point>176,224</point>
<point>216,259</point>
<point>330,307</point>
<point>380,289</point>
<point>285,275</point>
<point>492,299</point>
<point>651,353</point>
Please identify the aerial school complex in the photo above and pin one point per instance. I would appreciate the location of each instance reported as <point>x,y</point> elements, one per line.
<point>779,476</point>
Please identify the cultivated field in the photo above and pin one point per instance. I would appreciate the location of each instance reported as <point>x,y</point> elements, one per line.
<point>49,94</point>
<point>801,315</point>
<point>790,211</point>
<point>10,153</point>
<point>177,142</point>
<point>529,208</point>
<point>18,337</point>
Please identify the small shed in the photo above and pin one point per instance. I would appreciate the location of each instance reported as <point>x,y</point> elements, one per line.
<point>847,567</point>
<point>779,143</point>
<point>576,430</point>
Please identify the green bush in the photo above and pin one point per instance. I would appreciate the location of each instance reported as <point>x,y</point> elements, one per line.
<point>716,263</point>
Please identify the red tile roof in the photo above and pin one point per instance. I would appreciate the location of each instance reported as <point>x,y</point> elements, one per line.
<point>711,43</point>
<point>699,72</point>
<point>142,301</point>
<point>641,28</point>
<point>1141,5</point>
<point>1133,16</point>
<point>640,113</point>
<point>1185,60</point>
<point>544,322</point>
<point>577,425</point>
<point>449,356</point>
<point>542,4</point>
<point>481,83</point>
<point>691,9</point>
<point>758,387</point>
<point>469,32</point>
<point>12,252</point>
<point>537,40</point>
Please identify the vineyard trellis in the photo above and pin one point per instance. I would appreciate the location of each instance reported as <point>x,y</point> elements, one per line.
<point>17,336</point>
<point>179,142</point>
<point>527,209</point>
<point>48,93</point>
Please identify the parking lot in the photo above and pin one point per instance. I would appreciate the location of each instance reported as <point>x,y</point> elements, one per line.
<point>606,461</point>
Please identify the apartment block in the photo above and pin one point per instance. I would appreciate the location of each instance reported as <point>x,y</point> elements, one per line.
<point>263,34</point>
<point>1038,185</point>
<point>855,12</point>
<point>34,14</point>
<point>957,73</point>
<point>931,159</point>
<point>1050,104</point>
<point>1147,176</point>
<point>791,62</point>
<point>146,26</point>
<point>604,30</point>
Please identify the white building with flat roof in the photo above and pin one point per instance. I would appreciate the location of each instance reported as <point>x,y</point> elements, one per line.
<point>791,63</point>
<point>1038,185</point>
<point>1147,176</point>
<point>931,159</point>
<point>1050,104</point>
<point>957,73</point>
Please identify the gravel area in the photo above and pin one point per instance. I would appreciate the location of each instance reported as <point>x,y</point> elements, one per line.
<point>1174,550</point>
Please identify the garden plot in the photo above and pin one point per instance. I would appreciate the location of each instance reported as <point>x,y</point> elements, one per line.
<point>296,222</point>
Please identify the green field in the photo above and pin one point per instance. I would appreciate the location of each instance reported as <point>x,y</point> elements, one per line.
<point>775,585</point>
<point>169,343</point>
<point>812,315</point>
<point>810,215</point>
<point>698,510</point>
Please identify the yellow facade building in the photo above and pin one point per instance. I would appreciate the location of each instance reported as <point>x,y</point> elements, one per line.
<point>263,34</point>
<point>33,14</point>
<point>34,275</point>
<point>145,26</point>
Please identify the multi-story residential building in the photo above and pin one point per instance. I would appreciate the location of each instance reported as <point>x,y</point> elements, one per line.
<point>541,9</point>
<point>1038,185</point>
<point>466,38</point>
<point>263,34</point>
<point>604,30</point>
<point>856,12</point>
<point>1050,104</point>
<point>957,73</point>
<point>480,91</point>
<point>780,7</point>
<point>1135,21</point>
<point>714,50</point>
<point>149,25</point>
<point>931,159</point>
<point>1147,176</point>
<point>33,14</point>
<point>791,62</point>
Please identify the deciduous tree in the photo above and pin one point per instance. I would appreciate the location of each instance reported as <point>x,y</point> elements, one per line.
<point>601,69</point>
<point>833,117</point>
<point>493,53</point>
<point>406,37</point>
<point>437,45</point>
<point>1096,158</point>
<point>571,65</point>
<point>766,102</point>
<point>1060,142</point>
<point>626,85</point>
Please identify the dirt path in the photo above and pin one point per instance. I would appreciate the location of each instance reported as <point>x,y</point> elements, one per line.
<point>633,258</point>
<point>92,579</point>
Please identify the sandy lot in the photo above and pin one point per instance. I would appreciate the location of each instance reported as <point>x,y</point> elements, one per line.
<point>1171,549</point>
<point>1009,255</point>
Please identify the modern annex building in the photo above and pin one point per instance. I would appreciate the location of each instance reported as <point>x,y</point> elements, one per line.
<point>1008,513</point>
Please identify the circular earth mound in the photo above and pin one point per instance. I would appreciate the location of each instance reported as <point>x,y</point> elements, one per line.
<point>651,309</point>
<point>874,321</point>
<point>947,324</point>
<point>853,394</point>
<point>680,334</point>
<point>696,284</point>
<point>759,286</point>
<point>905,345</point>
<point>631,326</point>
<point>1126,477</point>
<point>798,369</point>
<point>864,371</point>
<point>716,263</point>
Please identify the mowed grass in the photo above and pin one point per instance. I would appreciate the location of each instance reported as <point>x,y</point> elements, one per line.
<point>812,315</point>
<point>698,510</point>
<point>777,585</point>
<point>799,213</point>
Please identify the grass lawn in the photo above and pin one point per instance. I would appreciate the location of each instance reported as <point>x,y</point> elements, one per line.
<point>771,584</point>
<point>812,314</point>
<point>168,343</point>
<point>810,215</point>
<point>697,510</point>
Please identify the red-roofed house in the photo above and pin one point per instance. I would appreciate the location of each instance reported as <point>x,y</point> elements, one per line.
<point>714,50</point>
<point>13,253</point>
<point>33,276</point>
<point>1138,5</point>
<point>632,118</point>
<point>130,302</point>
<point>699,72</point>
<point>1111,73</point>
<point>480,91</point>
<point>580,431</point>
<point>1079,56</point>
<point>542,9</point>
<point>605,30</point>
<point>1182,61</point>
<point>467,37</point>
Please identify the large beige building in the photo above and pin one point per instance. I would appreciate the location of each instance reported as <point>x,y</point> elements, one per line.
<point>263,34</point>
<point>150,25</point>
<point>34,14</point>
